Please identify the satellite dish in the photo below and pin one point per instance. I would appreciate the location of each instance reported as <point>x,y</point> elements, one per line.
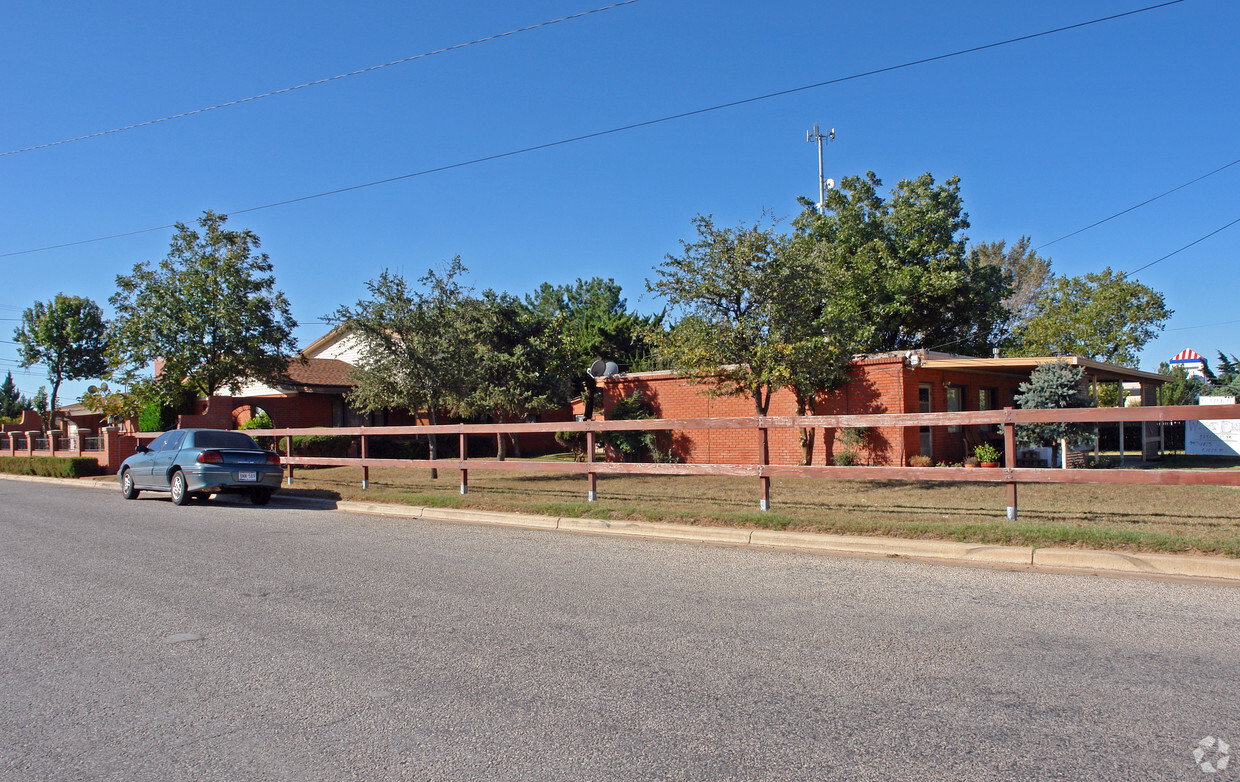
<point>602,368</point>
<point>830,184</point>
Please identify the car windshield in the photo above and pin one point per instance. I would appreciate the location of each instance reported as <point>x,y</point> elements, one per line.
<point>231,440</point>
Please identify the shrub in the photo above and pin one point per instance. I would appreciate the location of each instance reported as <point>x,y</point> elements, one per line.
<point>324,445</point>
<point>845,459</point>
<point>1055,385</point>
<point>986,453</point>
<point>50,466</point>
<point>633,407</point>
<point>856,441</point>
<point>260,421</point>
<point>574,442</point>
<point>156,417</point>
<point>920,460</point>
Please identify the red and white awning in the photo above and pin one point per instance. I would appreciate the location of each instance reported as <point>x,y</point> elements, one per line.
<point>1186,356</point>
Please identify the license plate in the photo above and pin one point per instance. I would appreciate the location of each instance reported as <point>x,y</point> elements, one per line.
<point>247,475</point>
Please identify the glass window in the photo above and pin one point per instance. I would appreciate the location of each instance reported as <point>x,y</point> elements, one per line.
<point>986,399</point>
<point>232,440</point>
<point>161,442</point>
<point>924,441</point>
<point>174,442</point>
<point>955,403</point>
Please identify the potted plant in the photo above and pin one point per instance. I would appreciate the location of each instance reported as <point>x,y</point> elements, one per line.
<point>987,455</point>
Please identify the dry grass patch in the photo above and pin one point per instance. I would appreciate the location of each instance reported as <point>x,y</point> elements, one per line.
<point>1201,519</point>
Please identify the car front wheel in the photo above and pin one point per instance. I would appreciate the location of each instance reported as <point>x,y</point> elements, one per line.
<point>127,488</point>
<point>180,492</point>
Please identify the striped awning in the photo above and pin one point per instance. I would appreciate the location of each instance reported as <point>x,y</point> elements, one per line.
<point>1187,356</point>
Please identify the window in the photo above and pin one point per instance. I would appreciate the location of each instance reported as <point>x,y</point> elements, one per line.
<point>161,442</point>
<point>230,440</point>
<point>955,403</point>
<point>986,400</point>
<point>923,406</point>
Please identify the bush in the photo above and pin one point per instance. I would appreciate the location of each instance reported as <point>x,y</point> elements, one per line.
<point>50,466</point>
<point>986,453</point>
<point>156,417</point>
<point>385,448</point>
<point>856,440</point>
<point>845,459</point>
<point>260,421</point>
<point>641,444</point>
<point>325,445</point>
<point>574,442</point>
<point>920,460</point>
<point>1052,386</point>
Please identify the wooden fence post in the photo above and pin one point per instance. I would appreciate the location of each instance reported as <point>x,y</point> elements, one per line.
<point>1009,463</point>
<point>464,454</point>
<point>592,493</point>
<point>763,460</point>
<point>365,469</point>
<point>288,454</point>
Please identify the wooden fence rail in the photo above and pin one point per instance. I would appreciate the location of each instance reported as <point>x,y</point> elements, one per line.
<point>761,469</point>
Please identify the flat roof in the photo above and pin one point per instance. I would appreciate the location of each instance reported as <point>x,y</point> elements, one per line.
<point>1026,364</point>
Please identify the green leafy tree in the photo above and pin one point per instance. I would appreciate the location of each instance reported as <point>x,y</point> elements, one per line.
<point>753,318</point>
<point>519,367</point>
<point>896,270</point>
<point>593,322</point>
<point>1226,381</point>
<point>209,311</point>
<point>1103,316</point>
<point>1181,388</point>
<point>418,349</point>
<point>12,402</point>
<point>1052,386</point>
<point>1028,275</point>
<point>66,335</point>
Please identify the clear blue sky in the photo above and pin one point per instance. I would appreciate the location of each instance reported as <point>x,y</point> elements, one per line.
<point>1047,136</point>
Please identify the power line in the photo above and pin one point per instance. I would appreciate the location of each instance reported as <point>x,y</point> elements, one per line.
<point>316,82</point>
<point>1204,326</point>
<point>1138,206</point>
<point>1182,249</point>
<point>624,128</point>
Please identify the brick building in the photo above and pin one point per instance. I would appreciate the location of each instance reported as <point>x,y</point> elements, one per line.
<point>903,382</point>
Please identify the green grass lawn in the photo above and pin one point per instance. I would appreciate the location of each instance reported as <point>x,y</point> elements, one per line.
<point>1201,519</point>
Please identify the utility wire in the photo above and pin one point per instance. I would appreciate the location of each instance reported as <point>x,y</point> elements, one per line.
<point>1138,206</point>
<point>1204,326</point>
<point>316,82</point>
<point>632,126</point>
<point>1182,249</point>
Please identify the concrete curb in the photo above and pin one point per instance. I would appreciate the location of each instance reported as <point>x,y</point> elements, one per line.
<point>1082,560</point>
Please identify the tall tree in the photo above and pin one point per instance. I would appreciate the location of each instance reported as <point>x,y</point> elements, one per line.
<point>593,322</point>
<point>66,335</point>
<point>1180,389</point>
<point>1028,274</point>
<point>12,402</point>
<point>1052,386</point>
<point>750,321</point>
<point>1226,380</point>
<point>897,270</point>
<point>1103,316</point>
<point>209,311</point>
<point>418,349</point>
<point>519,368</point>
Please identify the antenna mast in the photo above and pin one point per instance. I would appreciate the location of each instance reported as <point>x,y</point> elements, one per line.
<point>812,136</point>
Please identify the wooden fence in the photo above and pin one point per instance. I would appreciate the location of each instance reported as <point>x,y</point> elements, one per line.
<point>761,468</point>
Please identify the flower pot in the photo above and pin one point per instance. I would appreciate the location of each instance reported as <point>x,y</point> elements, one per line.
<point>990,464</point>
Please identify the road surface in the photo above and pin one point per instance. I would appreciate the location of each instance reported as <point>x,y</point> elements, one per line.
<point>139,640</point>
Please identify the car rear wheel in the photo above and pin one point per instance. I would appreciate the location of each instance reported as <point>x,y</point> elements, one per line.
<point>127,488</point>
<point>180,492</point>
<point>260,496</point>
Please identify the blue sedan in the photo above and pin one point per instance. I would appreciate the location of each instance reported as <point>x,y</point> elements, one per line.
<point>196,463</point>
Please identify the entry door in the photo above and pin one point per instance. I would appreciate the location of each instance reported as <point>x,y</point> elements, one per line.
<point>923,406</point>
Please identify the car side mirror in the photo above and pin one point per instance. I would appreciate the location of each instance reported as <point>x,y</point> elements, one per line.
<point>142,448</point>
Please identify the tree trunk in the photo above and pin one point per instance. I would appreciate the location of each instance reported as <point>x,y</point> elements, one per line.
<point>807,435</point>
<point>499,446</point>
<point>433,441</point>
<point>516,444</point>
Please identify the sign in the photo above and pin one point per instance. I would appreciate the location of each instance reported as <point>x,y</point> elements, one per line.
<point>1213,438</point>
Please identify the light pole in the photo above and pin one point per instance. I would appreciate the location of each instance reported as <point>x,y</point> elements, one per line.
<point>812,136</point>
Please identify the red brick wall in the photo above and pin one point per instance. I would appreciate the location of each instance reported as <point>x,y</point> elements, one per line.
<point>876,386</point>
<point>882,385</point>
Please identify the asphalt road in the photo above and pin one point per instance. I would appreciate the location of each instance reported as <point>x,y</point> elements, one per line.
<point>139,640</point>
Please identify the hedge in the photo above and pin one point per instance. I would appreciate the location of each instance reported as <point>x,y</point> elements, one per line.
<point>50,466</point>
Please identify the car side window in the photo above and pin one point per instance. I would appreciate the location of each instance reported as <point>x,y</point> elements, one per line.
<point>161,442</point>
<point>174,442</point>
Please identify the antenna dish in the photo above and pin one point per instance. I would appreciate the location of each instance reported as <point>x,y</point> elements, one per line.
<point>601,368</point>
<point>830,184</point>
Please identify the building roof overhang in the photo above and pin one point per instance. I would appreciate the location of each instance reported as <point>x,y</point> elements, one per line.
<point>1022,366</point>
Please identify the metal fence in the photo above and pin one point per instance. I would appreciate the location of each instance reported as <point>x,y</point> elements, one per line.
<point>1008,419</point>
